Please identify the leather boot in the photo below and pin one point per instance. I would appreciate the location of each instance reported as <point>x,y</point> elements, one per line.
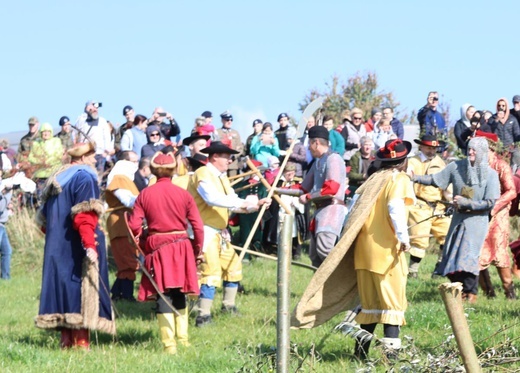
<point>127,290</point>
<point>167,332</point>
<point>181,327</point>
<point>81,338</point>
<point>469,298</point>
<point>507,282</point>
<point>484,281</point>
<point>361,349</point>
<point>66,338</point>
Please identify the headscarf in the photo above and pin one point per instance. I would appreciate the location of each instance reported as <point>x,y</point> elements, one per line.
<point>477,173</point>
<point>123,167</point>
<point>464,108</point>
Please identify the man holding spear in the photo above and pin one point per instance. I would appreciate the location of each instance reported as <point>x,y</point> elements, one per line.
<point>324,185</point>
<point>215,197</point>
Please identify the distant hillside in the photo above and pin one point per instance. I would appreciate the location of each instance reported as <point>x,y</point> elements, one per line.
<point>13,138</point>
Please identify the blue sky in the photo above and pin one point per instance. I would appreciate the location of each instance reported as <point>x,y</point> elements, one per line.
<point>256,59</point>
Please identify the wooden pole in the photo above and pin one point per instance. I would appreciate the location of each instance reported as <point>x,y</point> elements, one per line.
<point>452,297</point>
<point>265,256</point>
<point>283,294</point>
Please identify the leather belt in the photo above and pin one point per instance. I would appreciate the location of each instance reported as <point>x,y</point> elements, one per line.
<point>153,233</point>
<point>328,202</point>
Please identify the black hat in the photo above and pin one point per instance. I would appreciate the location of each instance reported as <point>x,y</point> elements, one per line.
<point>394,150</point>
<point>257,121</point>
<point>226,115</point>
<point>429,140</point>
<point>194,137</point>
<point>64,120</point>
<point>207,114</point>
<point>126,109</point>
<point>218,147</point>
<point>282,115</point>
<point>319,132</point>
<point>198,160</point>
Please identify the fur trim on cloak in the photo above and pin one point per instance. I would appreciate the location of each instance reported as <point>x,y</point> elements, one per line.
<point>333,288</point>
<point>89,317</point>
<point>91,205</point>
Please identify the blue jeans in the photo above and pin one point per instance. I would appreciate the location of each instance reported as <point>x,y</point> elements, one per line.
<point>5,252</point>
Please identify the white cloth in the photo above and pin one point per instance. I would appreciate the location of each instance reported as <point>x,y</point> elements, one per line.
<point>6,163</point>
<point>397,211</point>
<point>123,167</point>
<point>125,197</point>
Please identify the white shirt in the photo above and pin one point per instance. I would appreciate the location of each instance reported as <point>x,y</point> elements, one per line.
<point>99,133</point>
<point>214,197</point>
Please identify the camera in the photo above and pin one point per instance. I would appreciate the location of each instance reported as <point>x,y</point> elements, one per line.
<point>97,105</point>
<point>161,114</point>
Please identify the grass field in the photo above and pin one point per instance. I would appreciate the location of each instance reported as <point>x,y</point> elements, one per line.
<point>247,343</point>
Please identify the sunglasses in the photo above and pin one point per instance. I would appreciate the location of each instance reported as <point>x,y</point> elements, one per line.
<point>357,118</point>
<point>435,99</point>
<point>154,134</point>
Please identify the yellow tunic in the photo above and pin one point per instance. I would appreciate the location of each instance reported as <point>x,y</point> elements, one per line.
<point>377,247</point>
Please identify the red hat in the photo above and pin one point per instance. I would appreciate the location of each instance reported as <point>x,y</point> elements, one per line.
<point>394,150</point>
<point>163,160</point>
<point>488,135</point>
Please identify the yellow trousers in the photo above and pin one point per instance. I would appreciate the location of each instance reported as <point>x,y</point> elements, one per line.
<point>437,226</point>
<point>220,260</point>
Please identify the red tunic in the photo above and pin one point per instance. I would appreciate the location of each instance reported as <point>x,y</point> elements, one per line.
<point>170,258</point>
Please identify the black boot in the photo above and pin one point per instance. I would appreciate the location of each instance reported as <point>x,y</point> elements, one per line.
<point>361,349</point>
<point>127,290</point>
<point>485,284</point>
<point>116,290</point>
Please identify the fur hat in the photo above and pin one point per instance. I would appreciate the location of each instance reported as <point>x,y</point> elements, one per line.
<point>82,148</point>
<point>163,160</point>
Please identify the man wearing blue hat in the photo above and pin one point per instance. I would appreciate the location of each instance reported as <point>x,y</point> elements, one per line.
<point>65,135</point>
<point>281,133</point>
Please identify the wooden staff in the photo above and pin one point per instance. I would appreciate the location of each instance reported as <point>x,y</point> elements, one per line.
<point>311,108</point>
<point>265,256</point>
<point>451,296</point>
<point>267,185</point>
<point>242,175</point>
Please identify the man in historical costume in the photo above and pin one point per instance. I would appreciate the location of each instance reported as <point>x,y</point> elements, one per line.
<point>379,257</point>
<point>476,187</point>
<point>231,138</point>
<point>215,198</point>
<point>427,215</point>
<point>324,185</point>
<point>170,254</point>
<point>74,297</point>
<point>373,243</point>
<point>196,143</point>
<point>496,245</point>
<point>120,195</point>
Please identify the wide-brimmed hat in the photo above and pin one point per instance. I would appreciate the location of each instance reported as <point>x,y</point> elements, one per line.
<point>218,147</point>
<point>198,160</point>
<point>394,150</point>
<point>82,148</point>
<point>161,160</point>
<point>429,140</point>
<point>194,137</point>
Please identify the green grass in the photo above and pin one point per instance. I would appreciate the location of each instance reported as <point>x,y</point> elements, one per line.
<point>246,343</point>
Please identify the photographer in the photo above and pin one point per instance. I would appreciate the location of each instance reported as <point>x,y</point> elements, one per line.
<point>431,122</point>
<point>265,145</point>
<point>170,130</point>
<point>505,125</point>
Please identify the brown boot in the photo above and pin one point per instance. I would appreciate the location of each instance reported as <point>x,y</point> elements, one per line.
<point>469,298</point>
<point>485,284</point>
<point>66,338</point>
<point>507,282</point>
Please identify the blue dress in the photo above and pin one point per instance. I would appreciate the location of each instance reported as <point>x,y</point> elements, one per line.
<point>65,277</point>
